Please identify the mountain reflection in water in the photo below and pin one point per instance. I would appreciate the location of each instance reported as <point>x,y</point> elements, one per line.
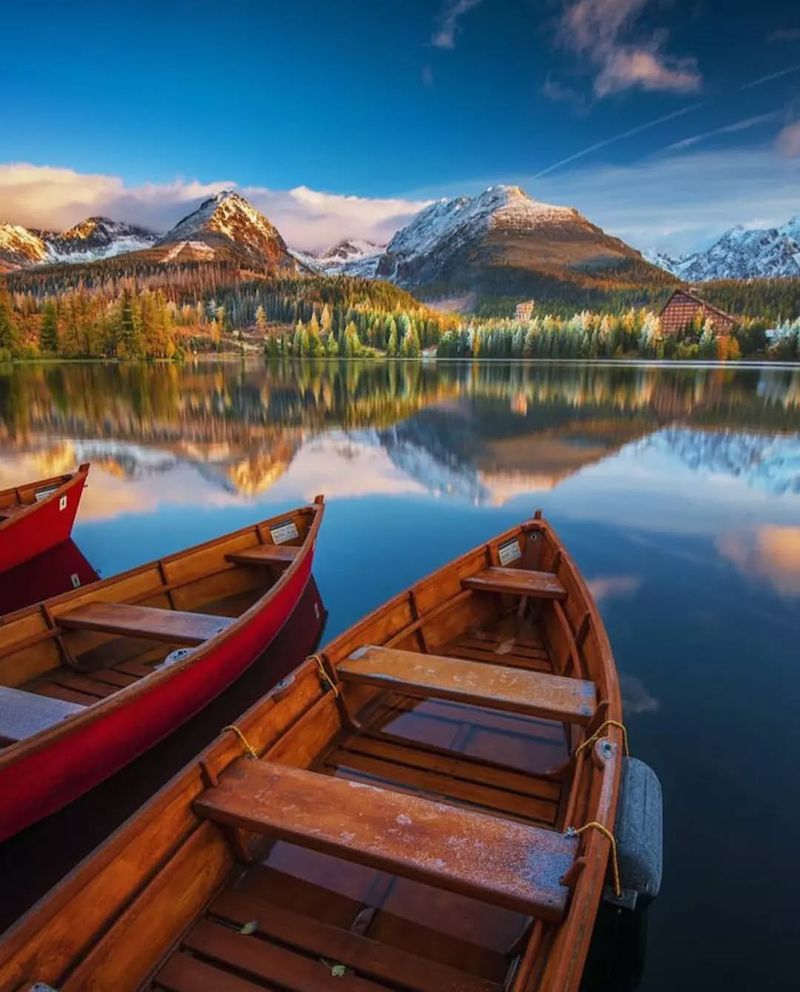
<point>677,490</point>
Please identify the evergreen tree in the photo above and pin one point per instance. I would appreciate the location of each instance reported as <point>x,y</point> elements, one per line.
<point>9,331</point>
<point>48,332</point>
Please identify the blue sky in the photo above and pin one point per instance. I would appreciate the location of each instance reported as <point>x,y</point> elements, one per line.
<point>655,118</point>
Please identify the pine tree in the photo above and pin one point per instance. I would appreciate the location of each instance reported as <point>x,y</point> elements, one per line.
<point>9,332</point>
<point>261,320</point>
<point>48,332</point>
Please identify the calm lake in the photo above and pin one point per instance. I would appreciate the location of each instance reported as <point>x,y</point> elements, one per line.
<point>677,490</point>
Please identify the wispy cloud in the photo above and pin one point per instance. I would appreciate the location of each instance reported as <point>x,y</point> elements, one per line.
<point>788,140</point>
<point>601,31</point>
<point>617,137</point>
<point>50,197</point>
<point>734,128</point>
<point>770,76</point>
<point>445,34</point>
<point>678,203</point>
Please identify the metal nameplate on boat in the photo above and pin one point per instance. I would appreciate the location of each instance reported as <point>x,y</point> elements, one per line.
<point>508,552</point>
<point>41,494</point>
<point>284,532</point>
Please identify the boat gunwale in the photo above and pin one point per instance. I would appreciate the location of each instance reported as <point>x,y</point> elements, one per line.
<point>24,510</point>
<point>127,694</point>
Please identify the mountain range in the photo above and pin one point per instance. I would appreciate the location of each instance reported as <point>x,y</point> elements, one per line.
<point>741,253</point>
<point>92,239</point>
<point>494,242</point>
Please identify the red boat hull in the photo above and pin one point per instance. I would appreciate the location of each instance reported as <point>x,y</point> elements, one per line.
<point>54,776</point>
<point>42,526</point>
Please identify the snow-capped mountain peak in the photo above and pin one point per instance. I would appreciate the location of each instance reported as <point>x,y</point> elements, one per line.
<point>502,226</point>
<point>741,253</point>
<point>229,222</point>
<point>92,239</point>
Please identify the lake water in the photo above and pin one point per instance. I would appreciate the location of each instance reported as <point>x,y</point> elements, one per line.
<point>676,489</point>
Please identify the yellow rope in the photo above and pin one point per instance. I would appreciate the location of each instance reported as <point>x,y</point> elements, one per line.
<point>599,732</point>
<point>246,744</point>
<point>323,674</point>
<point>612,840</point>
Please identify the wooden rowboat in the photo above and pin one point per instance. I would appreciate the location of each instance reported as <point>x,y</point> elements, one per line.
<point>92,678</point>
<point>37,517</point>
<point>404,826</point>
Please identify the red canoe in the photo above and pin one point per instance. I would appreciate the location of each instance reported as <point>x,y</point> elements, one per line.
<point>37,517</point>
<point>92,678</point>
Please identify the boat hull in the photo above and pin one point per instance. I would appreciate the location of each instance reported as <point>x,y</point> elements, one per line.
<point>51,777</point>
<point>42,527</point>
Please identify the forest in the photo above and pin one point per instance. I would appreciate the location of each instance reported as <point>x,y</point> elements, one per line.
<point>154,313</point>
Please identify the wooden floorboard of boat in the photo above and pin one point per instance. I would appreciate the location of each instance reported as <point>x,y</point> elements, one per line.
<point>455,649</point>
<point>440,786</point>
<point>369,958</point>
<point>269,962</point>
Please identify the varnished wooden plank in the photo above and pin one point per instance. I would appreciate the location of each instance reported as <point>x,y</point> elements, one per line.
<point>539,664</point>
<point>370,958</point>
<point>172,626</point>
<point>54,691</point>
<point>270,962</point>
<point>517,582</point>
<point>503,862</point>
<point>475,683</point>
<point>469,769</point>
<point>184,973</point>
<point>23,714</point>
<point>440,784</point>
<point>265,554</point>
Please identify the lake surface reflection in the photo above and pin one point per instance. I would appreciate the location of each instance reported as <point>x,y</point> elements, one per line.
<point>677,490</point>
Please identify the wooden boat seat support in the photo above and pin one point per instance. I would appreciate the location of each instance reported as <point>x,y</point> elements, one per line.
<point>172,626</point>
<point>265,554</point>
<point>517,582</point>
<point>23,714</point>
<point>499,861</point>
<point>477,683</point>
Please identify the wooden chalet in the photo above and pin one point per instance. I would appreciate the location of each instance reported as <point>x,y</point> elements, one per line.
<point>682,308</point>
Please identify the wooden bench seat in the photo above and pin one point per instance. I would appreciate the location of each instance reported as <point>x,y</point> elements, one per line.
<point>23,714</point>
<point>172,626</point>
<point>265,554</point>
<point>478,683</point>
<point>503,862</point>
<point>517,582</point>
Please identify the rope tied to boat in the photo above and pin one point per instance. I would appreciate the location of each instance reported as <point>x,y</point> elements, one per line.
<point>612,840</point>
<point>325,677</point>
<point>599,733</point>
<point>251,751</point>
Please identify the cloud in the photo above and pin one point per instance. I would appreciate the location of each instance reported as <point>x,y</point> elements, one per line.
<point>677,203</point>
<point>596,30</point>
<point>770,76</point>
<point>618,137</point>
<point>57,198</point>
<point>445,34</point>
<point>614,586</point>
<point>768,552</point>
<point>426,75</point>
<point>734,128</point>
<point>788,141</point>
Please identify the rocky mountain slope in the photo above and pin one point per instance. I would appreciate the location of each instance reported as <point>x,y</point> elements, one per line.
<point>350,257</point>
<point>226,227</point>
<point>497,241</point>
<point>94,238</point>
<point>758,253</point>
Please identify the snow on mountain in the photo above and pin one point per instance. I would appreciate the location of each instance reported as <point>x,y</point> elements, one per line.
<point>228,223</point>
<point>766,462</point>
<point>456,241</point>
<point>92,239</point>
<point>741,253</point>
<point>20,247</point>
